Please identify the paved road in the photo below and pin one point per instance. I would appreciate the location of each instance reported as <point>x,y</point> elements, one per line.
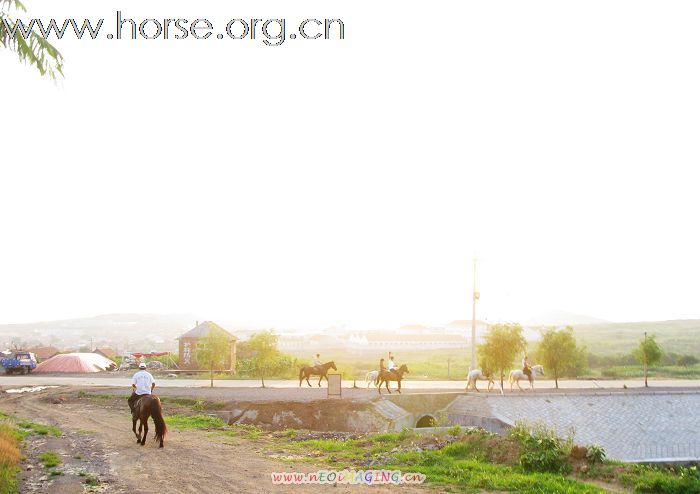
<point>125,381</point>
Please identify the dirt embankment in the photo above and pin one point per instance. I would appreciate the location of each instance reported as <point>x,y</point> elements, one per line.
<point>98,441</point>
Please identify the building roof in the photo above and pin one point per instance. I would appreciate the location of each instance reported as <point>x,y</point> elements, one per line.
<point>106,351</point>
<point>203,329</point>
<point>406,338</point>
<point>44,352</point>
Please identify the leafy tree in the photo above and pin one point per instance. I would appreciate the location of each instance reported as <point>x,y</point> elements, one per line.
<point>266,357</point>
<point>33,49</point>
<point>558,352</point>
<point>212,352</point>
<point>648,353</point>
<point>502,344</point>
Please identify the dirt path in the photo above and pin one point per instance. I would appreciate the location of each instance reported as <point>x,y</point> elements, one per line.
<point>192,461</point>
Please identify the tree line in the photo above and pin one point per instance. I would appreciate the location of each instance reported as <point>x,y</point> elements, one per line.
<point>504,345</point>
<point>557,351</point>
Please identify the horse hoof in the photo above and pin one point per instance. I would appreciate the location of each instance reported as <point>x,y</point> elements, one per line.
<point>143,444</point>
<point>138,441</point>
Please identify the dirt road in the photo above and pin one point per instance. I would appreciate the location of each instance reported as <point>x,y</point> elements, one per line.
<point>98,444</point>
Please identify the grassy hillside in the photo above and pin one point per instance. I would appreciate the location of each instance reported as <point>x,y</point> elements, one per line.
<point>681,337</point>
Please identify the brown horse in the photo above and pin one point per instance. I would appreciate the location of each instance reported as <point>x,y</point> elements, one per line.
<point>386,375</point>
<point>310,370</point>
<point>149,406</point>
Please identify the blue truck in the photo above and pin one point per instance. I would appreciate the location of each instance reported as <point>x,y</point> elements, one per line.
<point>19,362</point>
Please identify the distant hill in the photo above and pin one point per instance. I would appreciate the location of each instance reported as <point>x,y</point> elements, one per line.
<point>108,322</point>
<point>679,336</point>
<point>562,318</point>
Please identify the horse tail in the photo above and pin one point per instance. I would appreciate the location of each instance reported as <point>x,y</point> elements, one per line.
<point>157,414</point>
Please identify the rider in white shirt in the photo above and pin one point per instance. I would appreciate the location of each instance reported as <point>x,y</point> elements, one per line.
<point>142,384</point>
<point>391,366</point>
<point>317,362</point>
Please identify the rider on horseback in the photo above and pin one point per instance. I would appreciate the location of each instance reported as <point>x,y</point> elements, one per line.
<point>526,368</point>
<point>317,363</point>
<point>142,384</point>
<point>391,366</point>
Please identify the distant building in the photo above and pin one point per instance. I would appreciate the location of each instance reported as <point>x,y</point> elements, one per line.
<point>189,341</point>
<point>391,340</point>
<point>44,352</point>
<point>106,352</point>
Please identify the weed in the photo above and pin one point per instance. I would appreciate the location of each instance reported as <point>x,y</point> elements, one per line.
<point>9,457</point>
<point>92,480</point>
<point>595,454</point>
<point>40,429</point>
<point>50,459</point>
<point>455,431</point>
<point>543,451</point>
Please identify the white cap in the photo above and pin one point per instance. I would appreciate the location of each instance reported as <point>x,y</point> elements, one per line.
<point>142,365</point>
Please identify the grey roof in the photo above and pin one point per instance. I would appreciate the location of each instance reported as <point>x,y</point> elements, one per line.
<point>204,329</point>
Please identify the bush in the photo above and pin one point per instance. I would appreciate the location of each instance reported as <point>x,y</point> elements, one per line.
<point>687,360</point>
<point>595,454</point>
<point>543,451</point>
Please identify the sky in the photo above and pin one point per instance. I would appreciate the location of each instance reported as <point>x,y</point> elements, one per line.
<point>351,182</point>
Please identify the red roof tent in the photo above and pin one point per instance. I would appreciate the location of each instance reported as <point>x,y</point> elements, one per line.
<point>75,362</point>
<point>152,354</point>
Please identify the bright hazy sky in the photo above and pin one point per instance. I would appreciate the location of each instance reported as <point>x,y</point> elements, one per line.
<point>324,183</point>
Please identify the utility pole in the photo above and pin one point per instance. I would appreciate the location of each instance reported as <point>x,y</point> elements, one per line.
<point>644,353</point>
<point>475,297</point>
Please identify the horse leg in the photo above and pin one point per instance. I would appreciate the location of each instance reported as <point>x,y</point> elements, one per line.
<point>379,387</point>
<point>518,383</point>
<point>307,379</point>
<point>138,438</point>
<point>319,380</point>
<point>145,430</point>
<point>133,428</point>
<point>399,383</point>
<point>387,386</point>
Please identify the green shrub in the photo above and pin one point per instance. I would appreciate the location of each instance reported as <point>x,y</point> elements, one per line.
<point>595,454</point>
<point>543,451</point>
<point>455,431</point>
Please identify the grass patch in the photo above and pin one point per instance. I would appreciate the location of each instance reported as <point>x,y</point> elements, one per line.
<point>194,422</point>
<point>671,480</point>
<point>50,459</point>
<point>41,429</point>
<point>91,480</point>
<point>9,458</point>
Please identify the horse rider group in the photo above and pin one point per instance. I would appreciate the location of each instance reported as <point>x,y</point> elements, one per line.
<point>390,365</point>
